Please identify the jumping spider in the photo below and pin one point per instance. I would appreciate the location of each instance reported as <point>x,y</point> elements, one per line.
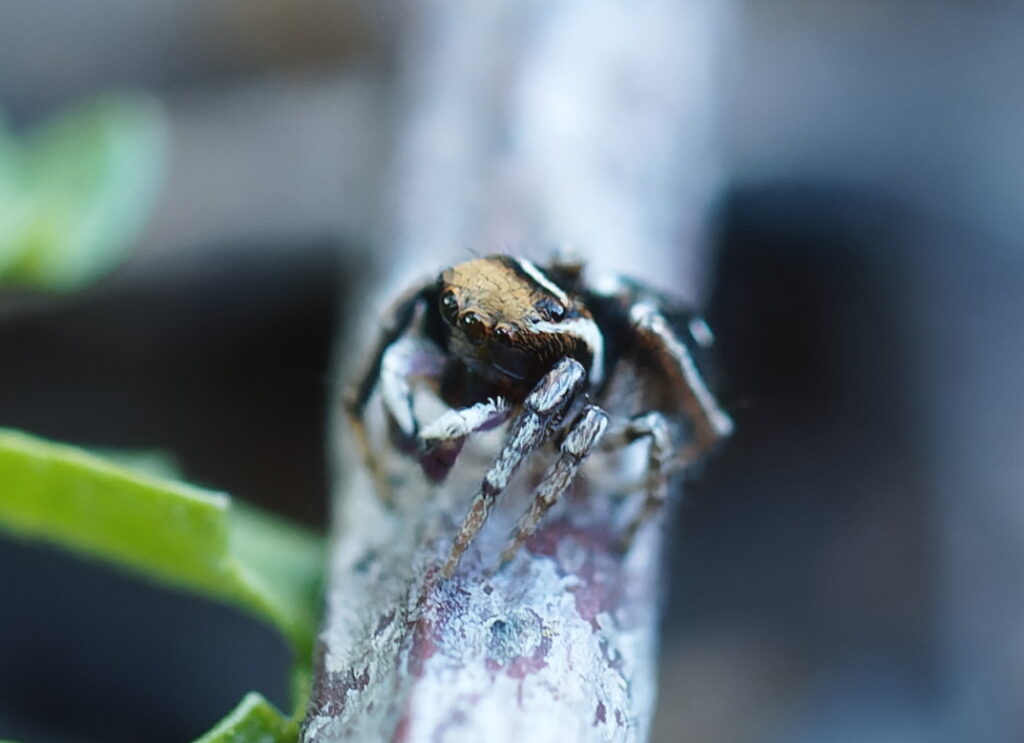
<point>500,338</point>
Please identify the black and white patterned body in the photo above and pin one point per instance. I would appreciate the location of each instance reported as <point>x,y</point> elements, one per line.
<point>500,338</point>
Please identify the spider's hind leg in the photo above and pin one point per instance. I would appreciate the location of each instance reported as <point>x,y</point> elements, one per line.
<point>656,335</point>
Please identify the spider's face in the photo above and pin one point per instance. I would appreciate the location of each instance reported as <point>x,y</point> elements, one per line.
<point>505,314</point>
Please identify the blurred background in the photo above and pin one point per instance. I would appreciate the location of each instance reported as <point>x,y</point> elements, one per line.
<point>848,569</point>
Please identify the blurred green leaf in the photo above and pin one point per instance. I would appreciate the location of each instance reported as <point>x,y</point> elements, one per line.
<point>76,193</point>
<point>171,531</point>
<point>156,462</point>
<point>254,720</point>
<point>183,535</point>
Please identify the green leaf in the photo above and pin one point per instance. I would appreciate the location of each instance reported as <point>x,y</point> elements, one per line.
<point>254,720</point>
<point>156,462</point>
<point>186,536</point>
<point>75,194</point>
<point>177,533</point>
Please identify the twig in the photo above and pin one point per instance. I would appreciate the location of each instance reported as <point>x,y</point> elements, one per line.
<point>527,124</point>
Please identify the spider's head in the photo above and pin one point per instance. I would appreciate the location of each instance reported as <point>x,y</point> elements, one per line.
<point>506,315</point>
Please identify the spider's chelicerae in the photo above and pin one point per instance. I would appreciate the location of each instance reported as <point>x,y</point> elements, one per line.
<point>500,338</point>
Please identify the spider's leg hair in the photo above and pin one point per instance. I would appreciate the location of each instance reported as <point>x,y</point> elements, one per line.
<point>710,422</point>
<point>402,317</point>
<point>584,435</point>
<point>545,404</point>
<point>439,443</point>
<point>407,359</point>
<point>660,453</point>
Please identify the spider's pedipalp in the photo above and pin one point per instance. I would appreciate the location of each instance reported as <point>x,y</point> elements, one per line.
<point>584,435</point>
<point>548,401</point>
<point>440,442</point>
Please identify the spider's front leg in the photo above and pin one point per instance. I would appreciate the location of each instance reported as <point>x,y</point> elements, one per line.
<point>404,361</point>
<point>584,435</point>
<point>543,407</point>
<point>402,355</point>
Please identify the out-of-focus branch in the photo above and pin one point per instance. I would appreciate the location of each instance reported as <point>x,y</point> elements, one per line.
<point>526,125</point>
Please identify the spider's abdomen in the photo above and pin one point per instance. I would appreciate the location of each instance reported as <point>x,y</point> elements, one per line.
<point>652,335</point>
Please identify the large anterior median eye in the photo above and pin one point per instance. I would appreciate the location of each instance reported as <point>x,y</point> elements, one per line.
<point>474,327</point>
<point>449,306</point>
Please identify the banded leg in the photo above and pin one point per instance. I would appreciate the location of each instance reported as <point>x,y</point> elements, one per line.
<point>581,440</point>
<point>660,456</point>
<point>405,360</point>
<point>550,399</point>
<point>393,362</point>
<point>710,422</point>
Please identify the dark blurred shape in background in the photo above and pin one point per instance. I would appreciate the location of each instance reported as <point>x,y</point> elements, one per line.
<point>848,569</point>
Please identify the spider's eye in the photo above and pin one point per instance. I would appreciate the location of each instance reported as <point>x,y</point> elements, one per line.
<point>474,327</point>
<point>505,335</point>
<point>449,306</point>
<point>550,310</point>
